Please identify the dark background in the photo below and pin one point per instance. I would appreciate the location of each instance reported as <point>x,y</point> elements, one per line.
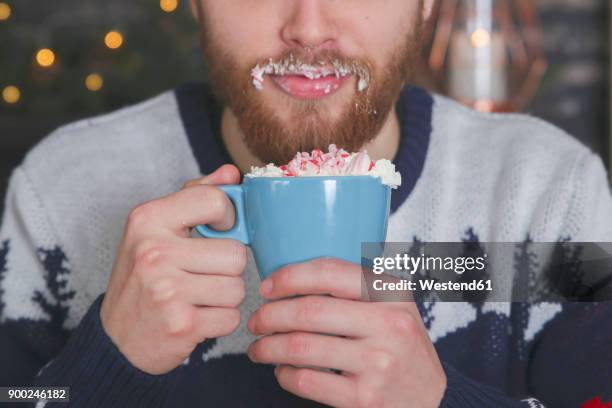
<point>160,51</point>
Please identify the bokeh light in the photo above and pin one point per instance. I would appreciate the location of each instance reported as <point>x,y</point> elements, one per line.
<point>5,11</point>
<point>11,94</point>
<point>168,5</point>
<point>480,38</point>
<point>113,40</point>
<point>94,82</point>
<point>45,57</point>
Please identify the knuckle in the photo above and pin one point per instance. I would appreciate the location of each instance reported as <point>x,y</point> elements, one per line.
<point>380,360</point>
<point>178,324</point>
<point>257,349</point>
<point>328,263</point>
<point>224,323</point>
<point>287,278</point>
<point>149,253</point>
<point>142,214</point>
<point>238,291</point>
<point>303,381</point>
<point>310,310</point>
<point>162,290</point>
<point>263,317</point>
<point>298,345</point>
<point>368,396</point>
<point>401,322</point>
<point>231,322</point>
<point>239,256</point>
<point>215,202</point>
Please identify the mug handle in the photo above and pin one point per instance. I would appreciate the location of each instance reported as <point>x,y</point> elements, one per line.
<point>239,231</point>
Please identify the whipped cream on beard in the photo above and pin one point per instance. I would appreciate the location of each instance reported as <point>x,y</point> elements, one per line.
<point>336,162</point>
<point>292,66</point>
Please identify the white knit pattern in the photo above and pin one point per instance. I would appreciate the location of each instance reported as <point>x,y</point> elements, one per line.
<point>533,403</point>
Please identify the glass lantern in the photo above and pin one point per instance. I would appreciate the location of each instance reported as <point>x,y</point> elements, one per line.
<point>486,53</point>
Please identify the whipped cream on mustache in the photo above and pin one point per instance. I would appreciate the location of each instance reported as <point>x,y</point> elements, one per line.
<point>336,162</point>
<point>294,66</point>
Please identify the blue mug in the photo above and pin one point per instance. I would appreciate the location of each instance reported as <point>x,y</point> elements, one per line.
<point>292,220</point>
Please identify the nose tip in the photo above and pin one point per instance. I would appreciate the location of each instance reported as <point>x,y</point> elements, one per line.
<point>309,26</point>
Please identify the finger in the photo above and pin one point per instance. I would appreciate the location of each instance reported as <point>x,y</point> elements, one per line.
<point>326,388</point>
<point>308,349</point>
<point>209,256</point>
<point>317,314</point>
<point>321,276</point>
<point>211,290</point>
<point>186,208</point>
<point>226,174</point>
<point>213,322</point>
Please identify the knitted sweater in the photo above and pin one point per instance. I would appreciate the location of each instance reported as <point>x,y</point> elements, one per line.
<point>466,176</point>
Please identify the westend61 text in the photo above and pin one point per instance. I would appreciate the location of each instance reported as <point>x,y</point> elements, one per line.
<point>431,285</point>
<point>412,264</point>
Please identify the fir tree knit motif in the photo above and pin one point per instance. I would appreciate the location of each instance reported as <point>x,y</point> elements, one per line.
<point>3,254</point>
<point>54,301</point>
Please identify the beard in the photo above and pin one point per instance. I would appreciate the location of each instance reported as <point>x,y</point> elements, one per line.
<point>306,124</point>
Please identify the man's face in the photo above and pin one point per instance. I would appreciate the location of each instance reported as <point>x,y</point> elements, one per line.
<point>334,68</point>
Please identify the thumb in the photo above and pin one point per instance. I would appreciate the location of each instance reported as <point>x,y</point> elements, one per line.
<point>226,174</point>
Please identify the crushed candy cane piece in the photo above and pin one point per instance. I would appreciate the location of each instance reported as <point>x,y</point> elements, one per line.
<point>336,162</point>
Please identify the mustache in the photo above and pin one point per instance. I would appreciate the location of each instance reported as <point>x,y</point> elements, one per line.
<point>313,66</point>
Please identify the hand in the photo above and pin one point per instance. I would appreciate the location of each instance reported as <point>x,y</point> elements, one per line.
<point>382,349</point>
<point>168,292</point>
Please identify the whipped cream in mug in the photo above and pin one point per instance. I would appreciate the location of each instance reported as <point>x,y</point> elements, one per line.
<point>336,162</point>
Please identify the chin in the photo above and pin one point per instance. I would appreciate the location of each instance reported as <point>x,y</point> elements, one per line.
<point>290,109</point>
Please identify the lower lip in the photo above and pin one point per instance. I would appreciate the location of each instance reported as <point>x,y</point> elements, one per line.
<point>304,88</point>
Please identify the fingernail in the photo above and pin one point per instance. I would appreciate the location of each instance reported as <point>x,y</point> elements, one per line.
<point>266,287</point>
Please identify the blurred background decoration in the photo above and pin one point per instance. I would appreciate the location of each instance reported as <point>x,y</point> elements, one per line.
<point>63,60</point>
<point>486,53</point>
<point>67,58</point>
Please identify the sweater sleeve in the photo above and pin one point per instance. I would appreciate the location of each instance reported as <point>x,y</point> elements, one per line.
<point>36,340</point>
<point>463,392</point>
<point>99,375</point>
